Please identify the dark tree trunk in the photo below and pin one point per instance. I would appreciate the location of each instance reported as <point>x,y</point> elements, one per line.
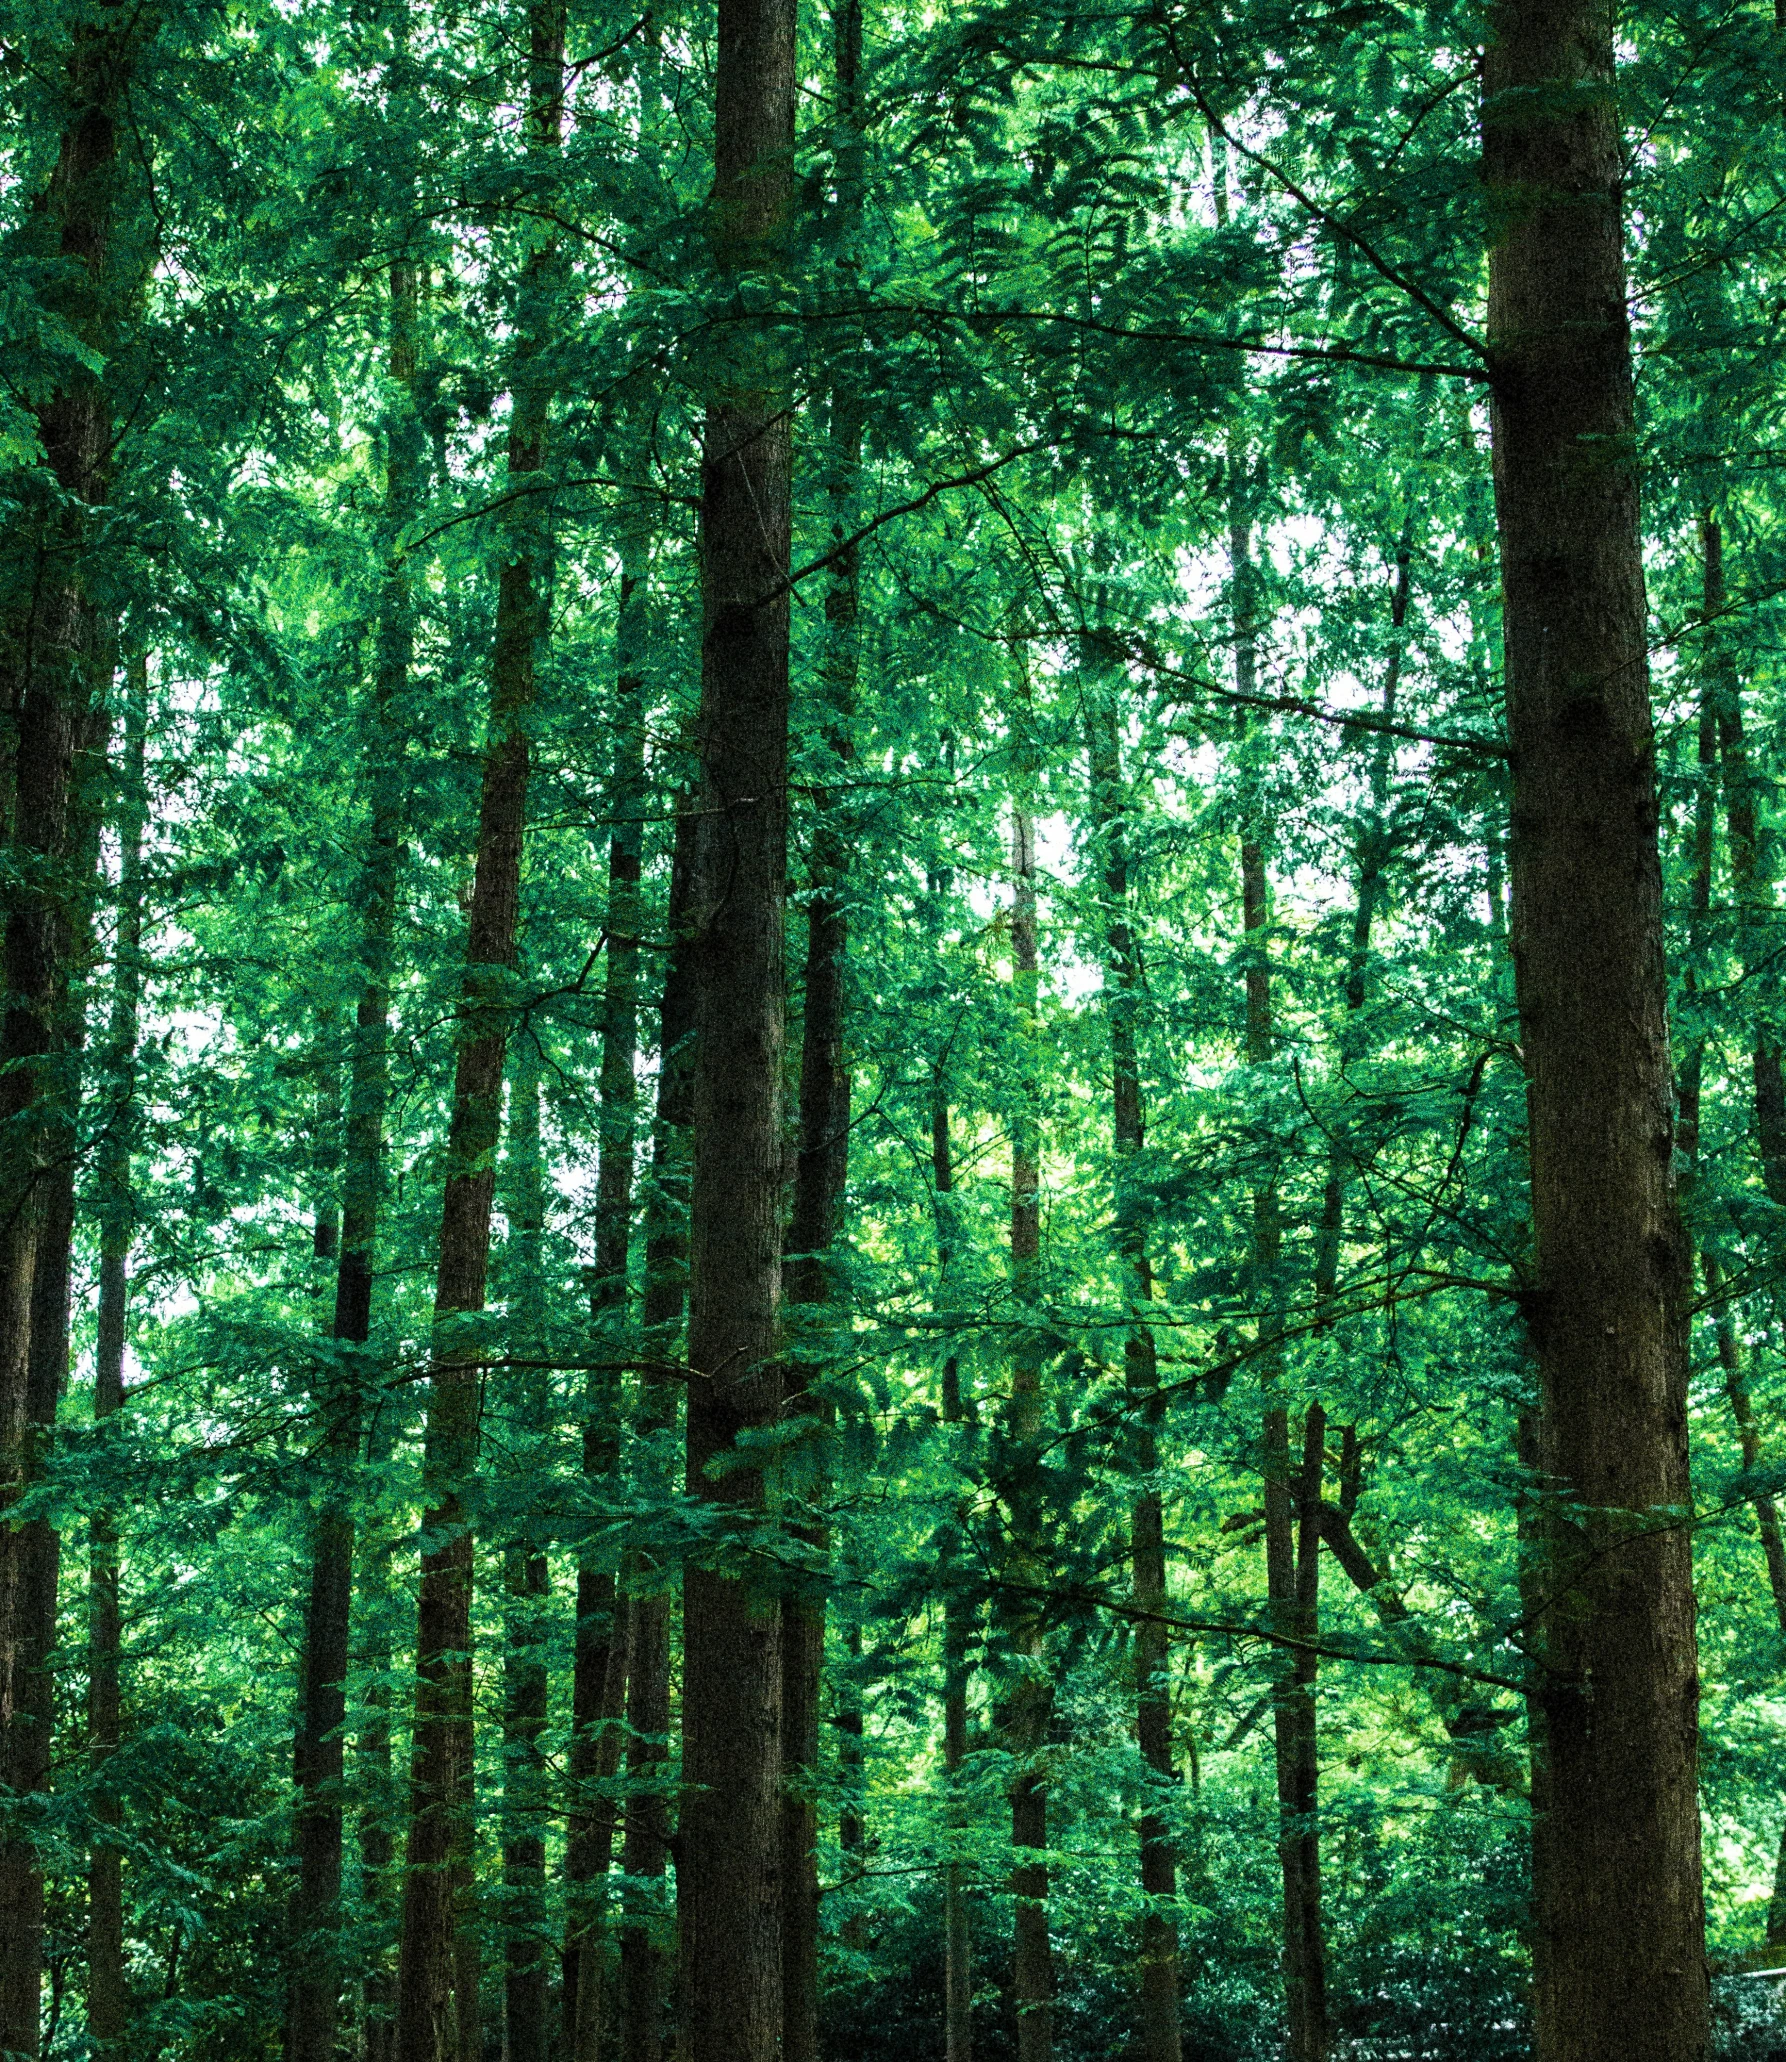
<point>437,2002</point>
<point>1287,1584</point>
<point>645,1855</point>
<point>526,1583</point>
<point>958,1976</point>
<point>1623,1969</point>
<point>821,1167</point>
<point>1030,1702</point>
<point>1750,873</point>
<point>55,654</point>
<point>313,2002</point>
<point>728,1887</point>
<point>108,1999</point>
<point>597,1695</point>
<point>1160,2032</point>
<point>1721,730</point>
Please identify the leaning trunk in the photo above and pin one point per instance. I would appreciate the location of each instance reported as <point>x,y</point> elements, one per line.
<point>437,2003</point>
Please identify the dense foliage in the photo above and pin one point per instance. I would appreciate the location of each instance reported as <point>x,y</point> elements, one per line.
<point>1145,593</point>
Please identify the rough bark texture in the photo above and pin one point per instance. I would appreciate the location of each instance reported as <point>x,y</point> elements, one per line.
<point>55,659</point>
<point>108,2001</point>
<point>1617,1840</point>
<point>1160,2032</point>
<point>728,1887</point>
<point>645,1854</point>
<point>437,2003</point>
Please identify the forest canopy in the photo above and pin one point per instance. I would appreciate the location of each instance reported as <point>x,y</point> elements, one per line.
<point>892,1041</point>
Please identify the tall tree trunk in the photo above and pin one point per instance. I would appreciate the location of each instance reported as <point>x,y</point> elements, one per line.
<point>728,1875</point>
<point>437,2003</point>
<point>526,1582</point>
<point>382,773</point>
<point>599,1669</point>
<point>56,656</point>
<point>1289,1582</point>
<point>1031,1700</point>
<point>958,1975</point>
<point>821,1167</point>
<point>108,1998</point>
<point>1721,730</point>
<point>1160,2032</point>
<point>313,2001</point>
<point>645,1855</point>
<point>1623,1973</point>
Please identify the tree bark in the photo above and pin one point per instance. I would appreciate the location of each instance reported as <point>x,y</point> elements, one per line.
<point>1289,1585</point>
<point>728,1887</point>
<point>645,1854</point>
<point>1161,2038</point>
<point>57,661</point>
<point>958,1972</point>
<point>108,1998</point>
<point>1031,1699</point>
<point>600,1608</point>
<point>437,2004</point>
<point>1721,732</point>
<point>821,1167</point>
<point>313,2000</point>
<point>526,1582</point>
<point>1623,1971</point>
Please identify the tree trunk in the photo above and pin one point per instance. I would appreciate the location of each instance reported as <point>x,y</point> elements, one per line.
<point>958,1974</point>
<point>821,1167</point>
<point>1750,873</point>
<point>645,1855</point>
<point>600,1609</point>
<point>108,1998</point>
<point>437,2006</point>
<point>313,2001</point>
<point>1721,729</point>
<point>1031,1698</point>
<point>728,1887</point>
<point>526,1583</point>
<point>1623,1970</point>
<point>1160,2033</point>
<point>58,662</point>
<point>1293,1728</point>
